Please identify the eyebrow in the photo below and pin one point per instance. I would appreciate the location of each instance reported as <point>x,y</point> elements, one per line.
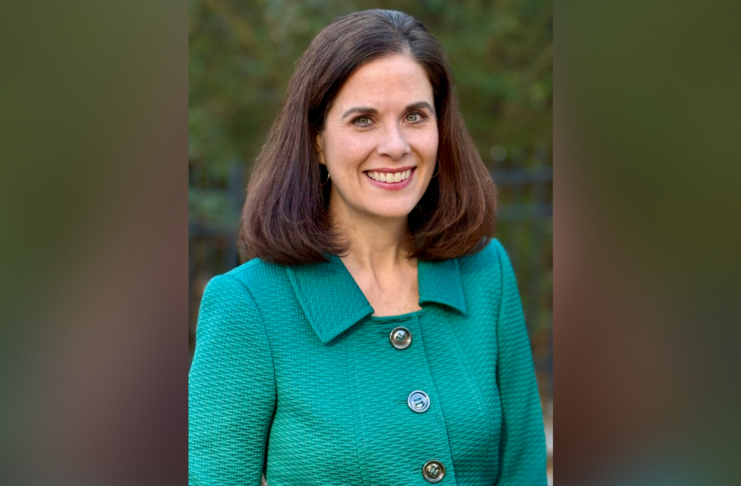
<point>366,110</point>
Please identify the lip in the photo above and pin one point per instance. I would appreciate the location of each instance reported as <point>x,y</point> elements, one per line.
<point>391,186</point>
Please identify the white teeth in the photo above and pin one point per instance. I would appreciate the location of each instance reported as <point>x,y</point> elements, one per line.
<point>389,177</point>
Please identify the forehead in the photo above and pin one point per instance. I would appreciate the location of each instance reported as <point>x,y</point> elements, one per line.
<point>385,83</point>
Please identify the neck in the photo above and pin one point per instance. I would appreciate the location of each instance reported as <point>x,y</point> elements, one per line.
<point>374,242</point>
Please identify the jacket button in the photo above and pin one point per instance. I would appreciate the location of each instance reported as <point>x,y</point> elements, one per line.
<point>433,471</point>
<point>400,338</point>
<point>418,401</point>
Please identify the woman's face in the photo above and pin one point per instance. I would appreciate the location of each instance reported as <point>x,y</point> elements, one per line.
<point>380,139</point>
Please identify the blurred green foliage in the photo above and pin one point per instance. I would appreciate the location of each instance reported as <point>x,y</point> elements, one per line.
<point>242,55</point>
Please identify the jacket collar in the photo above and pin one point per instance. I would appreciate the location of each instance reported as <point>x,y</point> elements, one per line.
<point>333,302</point>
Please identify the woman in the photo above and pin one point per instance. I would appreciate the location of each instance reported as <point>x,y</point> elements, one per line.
<point>378,337</point>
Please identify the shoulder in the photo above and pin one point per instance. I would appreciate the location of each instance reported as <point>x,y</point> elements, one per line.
<point>490,260</point>
<point>230,332</point>
<point>233,305</point>
<point>241,286</point>
<point>253,277</point>
<point>257,272</point>
<point>488,273</point>
<point>256,284</point>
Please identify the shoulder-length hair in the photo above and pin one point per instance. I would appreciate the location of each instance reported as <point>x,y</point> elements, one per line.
<point>285,217</point>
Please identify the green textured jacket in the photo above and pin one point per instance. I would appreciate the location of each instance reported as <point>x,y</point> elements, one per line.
<point>293,377</point>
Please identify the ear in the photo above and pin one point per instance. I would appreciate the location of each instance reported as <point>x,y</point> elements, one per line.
<point>319,145</point>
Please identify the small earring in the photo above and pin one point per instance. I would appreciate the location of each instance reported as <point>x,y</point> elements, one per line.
<point>438,170</point>
<point>325,182</point>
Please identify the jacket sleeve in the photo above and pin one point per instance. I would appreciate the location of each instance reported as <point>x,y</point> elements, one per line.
<point>522,453</point>
<point>231,389</point>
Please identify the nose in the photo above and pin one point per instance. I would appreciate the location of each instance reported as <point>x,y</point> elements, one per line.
<point>393,143</point>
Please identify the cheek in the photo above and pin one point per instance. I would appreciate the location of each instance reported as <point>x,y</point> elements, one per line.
<point>427,144</point>
<point>347,152</point>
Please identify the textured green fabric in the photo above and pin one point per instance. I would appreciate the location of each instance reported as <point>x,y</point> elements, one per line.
<point>293,376</point>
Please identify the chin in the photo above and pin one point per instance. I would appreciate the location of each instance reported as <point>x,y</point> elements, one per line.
<point>392,212</point>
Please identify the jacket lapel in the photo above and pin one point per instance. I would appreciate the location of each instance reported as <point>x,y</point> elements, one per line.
<point>440,283</point>
<point>333,302</point>
<point>329,297</point>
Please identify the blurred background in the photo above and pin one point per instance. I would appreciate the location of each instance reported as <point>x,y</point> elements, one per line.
<point>96,272</point>
<point>95,269</point>
<point>242,55</point>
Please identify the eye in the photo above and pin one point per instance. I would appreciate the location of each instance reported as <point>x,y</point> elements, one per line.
<point>415,117</point>
<point>362,121</point>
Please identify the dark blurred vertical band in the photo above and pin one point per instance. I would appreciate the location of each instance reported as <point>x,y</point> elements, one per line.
<point>93,201</point>
<point>646,250</point>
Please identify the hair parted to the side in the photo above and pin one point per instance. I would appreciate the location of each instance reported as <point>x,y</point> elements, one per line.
<point>285,217</point>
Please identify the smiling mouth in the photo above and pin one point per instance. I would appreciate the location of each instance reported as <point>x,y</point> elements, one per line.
<point>389,176</point>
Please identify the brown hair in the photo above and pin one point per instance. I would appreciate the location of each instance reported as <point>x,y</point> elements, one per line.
<point>285,217</point>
